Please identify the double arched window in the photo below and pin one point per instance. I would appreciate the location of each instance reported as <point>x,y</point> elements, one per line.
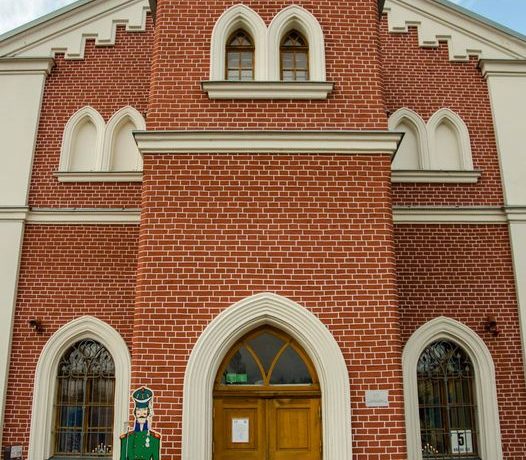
<point>84,403</point>
<point>240,56</point>
<point>294,57</point>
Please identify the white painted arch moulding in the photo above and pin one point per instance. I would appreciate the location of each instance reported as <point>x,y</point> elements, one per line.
<point>485,386</point>
<point>296,17</point>
<point>223,332</point>
<point>238,17</point>
<point>85,327</point>
<point>78,117</point>
<point>416,120</point>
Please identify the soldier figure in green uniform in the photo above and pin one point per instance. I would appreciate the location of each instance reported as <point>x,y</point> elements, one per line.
<point>141,443</point>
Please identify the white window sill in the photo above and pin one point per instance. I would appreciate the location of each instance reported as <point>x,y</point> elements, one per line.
<point>267,89</point>
<point>99,176</point>
<point>435,177</point>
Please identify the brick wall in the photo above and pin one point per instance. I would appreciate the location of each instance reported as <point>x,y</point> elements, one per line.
<point>66,272</point>
<point>464,272</point>
<point>425,80</point>
<point>182,60</point>
<point>315,229</point>
<point>108,78</point>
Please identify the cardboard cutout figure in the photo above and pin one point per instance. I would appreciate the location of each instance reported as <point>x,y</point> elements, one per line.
<point>141,442</point>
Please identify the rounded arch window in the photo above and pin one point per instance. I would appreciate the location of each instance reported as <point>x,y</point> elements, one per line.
<point>84,404</point>
<point>240,56</point>
<point>267,358</point>
<point>294,57</point>
<point>446,402</point>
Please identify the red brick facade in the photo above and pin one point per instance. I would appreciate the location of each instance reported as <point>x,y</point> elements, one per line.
<point>317,229</point>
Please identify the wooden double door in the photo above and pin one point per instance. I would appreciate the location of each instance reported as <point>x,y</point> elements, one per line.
<point>267,428</point>
<point>267,401</point>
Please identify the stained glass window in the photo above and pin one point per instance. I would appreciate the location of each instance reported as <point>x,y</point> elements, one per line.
<point>447,405</point>
<point>84,402</point>
<point>240,56</point>
<point>294,57</point>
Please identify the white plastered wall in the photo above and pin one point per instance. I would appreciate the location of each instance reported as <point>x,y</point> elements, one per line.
<point>507,87</point>
<point>21,89</point>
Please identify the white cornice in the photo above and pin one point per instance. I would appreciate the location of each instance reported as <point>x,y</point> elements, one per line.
<point>84,216</point>
<point>268,142</point>
<point>516,213</point>
<point>435,177</point>
<point>68,31</point>
<point>448,215</point>
<point>267,89</point>
<point>26,66</point>
<point>503,68</point>
<point>467,35</point>
<point>90,176</point>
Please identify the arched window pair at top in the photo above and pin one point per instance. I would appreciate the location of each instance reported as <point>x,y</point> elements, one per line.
<point>291,48</point>
<point>293,55</point>
<point>90,145</point>
<point>441,144</point>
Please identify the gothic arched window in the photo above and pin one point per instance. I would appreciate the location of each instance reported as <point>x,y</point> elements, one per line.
<point>294,54</point>
<point>446,402</point>
<point>84,402</point>
<point>240,56</point>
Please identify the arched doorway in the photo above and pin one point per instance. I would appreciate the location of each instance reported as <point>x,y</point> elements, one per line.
<point>267,401</point>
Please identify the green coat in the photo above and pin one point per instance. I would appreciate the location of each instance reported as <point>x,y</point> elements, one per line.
<point>140,445</point>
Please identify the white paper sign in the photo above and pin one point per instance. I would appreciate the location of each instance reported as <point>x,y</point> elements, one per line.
<point>240,430</point>
<point>16,452</point>
<point>461,442</point>
<point>377,398</point>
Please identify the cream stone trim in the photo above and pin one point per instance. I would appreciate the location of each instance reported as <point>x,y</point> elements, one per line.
<point>400,176</point>
<point>466,161</point>
<point>416,120</point>
<point>466,35</point>
<point>238,17</point>
<point>67,31</point>
<point>485,386</point>
<point>24,66</point>
<point>296,17</point>
<point>102,176</point>
<point>503,68</point>
<point>44,392</point>
<point>68,137</point>
<point>117,118</point>
<point>267,89</point>
<point>222,333</point>
<point>84,216</point>
<point>448,215</point>
<point>268,142</point>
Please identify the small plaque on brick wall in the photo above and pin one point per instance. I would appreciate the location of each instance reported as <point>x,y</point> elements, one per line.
<point>377,398</point>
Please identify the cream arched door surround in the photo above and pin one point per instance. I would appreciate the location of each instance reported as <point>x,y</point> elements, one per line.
<point>225,330</point>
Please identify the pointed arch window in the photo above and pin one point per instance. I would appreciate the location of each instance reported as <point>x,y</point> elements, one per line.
<point>84,405</point>
<point>240,52</point>
<point>446,402</point>
<point>294,57</point>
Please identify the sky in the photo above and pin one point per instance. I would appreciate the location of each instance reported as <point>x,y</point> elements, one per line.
<point>511,13</point>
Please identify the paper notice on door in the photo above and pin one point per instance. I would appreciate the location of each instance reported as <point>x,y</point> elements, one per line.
<point>240,430</point>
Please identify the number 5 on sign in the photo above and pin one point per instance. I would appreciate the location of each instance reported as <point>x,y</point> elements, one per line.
<point>461,442</point>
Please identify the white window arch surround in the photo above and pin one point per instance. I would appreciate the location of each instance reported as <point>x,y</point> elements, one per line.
<point>122,115</point>
<point>79,117</point>
<point>224,331</point>
<point>267,41</point>
<point>103,147</point>
<point>42,414</point>
<point>485,386</point>
<point>410,116</point>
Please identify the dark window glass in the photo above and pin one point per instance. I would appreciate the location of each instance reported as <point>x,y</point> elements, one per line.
<point>84,405</point>
<point>446,401</point>
<point>266,347</point>
<point>240,56</point>
<point>242,370</point>
<point>290,369</point>
<point>294,55</point>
